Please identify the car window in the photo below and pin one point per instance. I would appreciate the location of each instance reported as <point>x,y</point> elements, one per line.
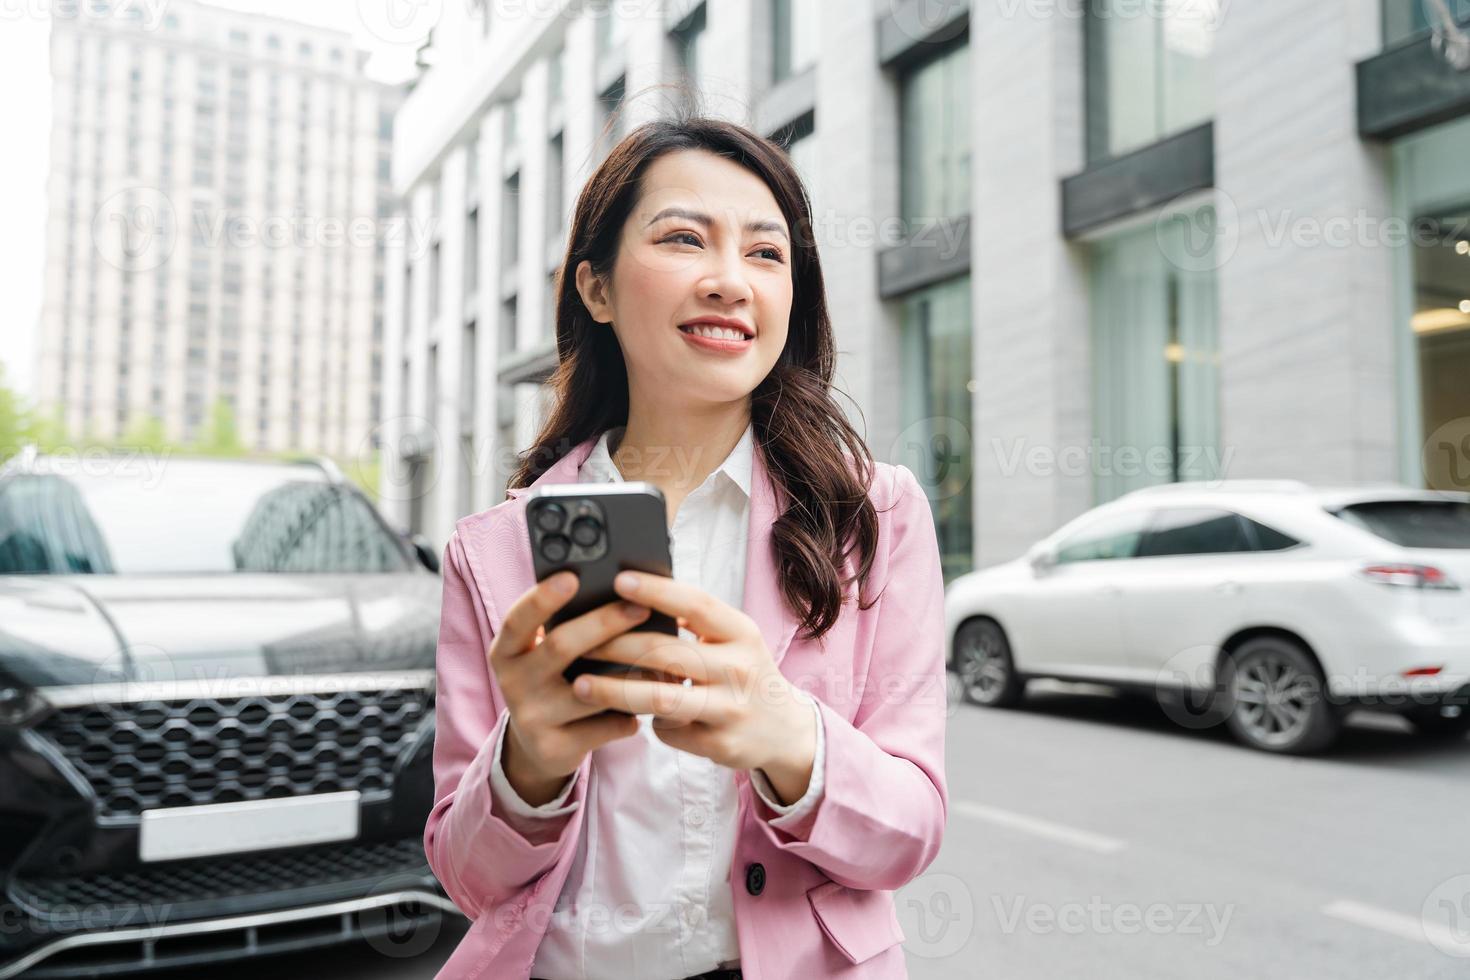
<point>1106,539</point>
<point>189,520</point>
<point>1268,538</point>
<point>1194,531</point>
<point>1413,523</point>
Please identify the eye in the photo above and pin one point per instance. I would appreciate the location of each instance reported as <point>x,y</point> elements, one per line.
<point>771,252</point>
<point>688,236</point>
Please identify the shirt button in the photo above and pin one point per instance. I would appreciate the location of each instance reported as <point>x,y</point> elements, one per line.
<point>695,816</point>
<point>755,878</point>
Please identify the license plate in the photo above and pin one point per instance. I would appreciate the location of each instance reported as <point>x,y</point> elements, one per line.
<point>255,825</point>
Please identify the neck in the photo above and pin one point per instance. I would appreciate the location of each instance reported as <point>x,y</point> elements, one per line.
<point>676,451</point>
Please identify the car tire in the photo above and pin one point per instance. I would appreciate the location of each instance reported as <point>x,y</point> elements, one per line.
<point>983,664</point>
<point>1277,698</point>
<point>1431,724</point>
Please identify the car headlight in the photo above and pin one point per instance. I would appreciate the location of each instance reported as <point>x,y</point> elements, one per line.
<point>19,706</point>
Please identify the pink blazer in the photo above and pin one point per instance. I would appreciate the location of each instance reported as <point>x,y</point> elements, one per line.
<point>826,909</point>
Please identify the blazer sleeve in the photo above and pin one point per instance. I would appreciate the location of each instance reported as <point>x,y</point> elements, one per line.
<point>480,859</point>
<point>882,816</point>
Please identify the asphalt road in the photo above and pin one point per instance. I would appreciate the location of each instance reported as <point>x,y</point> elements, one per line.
<point>1091,837</point>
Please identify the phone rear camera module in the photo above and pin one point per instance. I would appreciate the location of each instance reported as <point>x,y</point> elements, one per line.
<point>549,517</point>
<point>555,547</point>
<point>586,531</point>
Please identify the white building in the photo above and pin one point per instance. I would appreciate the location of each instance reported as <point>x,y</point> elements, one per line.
<point>1149,194</point>
<point>217,205</point>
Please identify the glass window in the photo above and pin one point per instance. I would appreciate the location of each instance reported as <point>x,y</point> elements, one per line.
<point>1109,538</point>
<point>1148,71</point>
<point>1268,538</point>
<point>610,119</point>
<point>689,43</point>
<point>1156,359</point>
<point>1403,19</point>
<point>937,392</point>
<point>612,24</point>
<point>934,170</point>
<point>471,254</point>
<point>510,222</point>
<point>1434,188</point>
<point>794,31</point>
<point>555,192</point>
<point>192,518</point>
<point>1414,523</point>
<point>1193,531</point>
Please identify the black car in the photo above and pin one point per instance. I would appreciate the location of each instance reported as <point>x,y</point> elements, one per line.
<point>216,714</point>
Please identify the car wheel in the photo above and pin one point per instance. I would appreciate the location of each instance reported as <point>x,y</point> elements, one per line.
<point>982,658</point>
<point>1430,722</point>
<point>1277,698</point>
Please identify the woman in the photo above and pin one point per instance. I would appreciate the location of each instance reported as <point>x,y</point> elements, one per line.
<point>740,825</point>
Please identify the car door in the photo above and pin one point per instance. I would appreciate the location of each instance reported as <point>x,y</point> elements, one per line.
<point>1187,589</point>
<point>1073,622</point>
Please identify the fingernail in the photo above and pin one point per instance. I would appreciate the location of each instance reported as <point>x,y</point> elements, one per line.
<point>627,581</point>
<point>582,687</point>
<point>634,611</point>
<point>566,583</point>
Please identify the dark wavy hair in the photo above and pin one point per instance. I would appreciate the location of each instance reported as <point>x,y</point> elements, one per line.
<point>819,466</point>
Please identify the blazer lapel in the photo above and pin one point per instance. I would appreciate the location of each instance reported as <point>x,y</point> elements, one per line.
<point>502,544</point>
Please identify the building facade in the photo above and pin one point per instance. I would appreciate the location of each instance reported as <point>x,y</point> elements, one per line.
<point>217,213</point>
<point>1070,248</point>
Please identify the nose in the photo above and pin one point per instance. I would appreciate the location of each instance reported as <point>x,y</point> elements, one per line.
<point>724,276</point>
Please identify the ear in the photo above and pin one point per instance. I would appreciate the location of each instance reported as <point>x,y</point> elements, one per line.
<point>593,292</point>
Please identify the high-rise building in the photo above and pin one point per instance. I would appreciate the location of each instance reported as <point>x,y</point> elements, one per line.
<point>1070,249</point>
<point>218,206</point>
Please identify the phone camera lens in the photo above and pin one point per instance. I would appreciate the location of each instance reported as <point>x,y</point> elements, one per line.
<point>586,531</point>
<point>555,547</point>
<point>550,516</point>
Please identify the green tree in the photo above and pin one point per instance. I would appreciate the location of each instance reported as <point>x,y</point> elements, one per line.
<point>147,434</point>
<point>220,437</point>
<point>15,420</point>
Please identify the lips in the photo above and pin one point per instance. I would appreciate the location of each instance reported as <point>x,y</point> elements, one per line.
<point>719,328</point>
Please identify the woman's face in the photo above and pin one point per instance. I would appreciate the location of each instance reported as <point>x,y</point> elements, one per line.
<point>706,240</point>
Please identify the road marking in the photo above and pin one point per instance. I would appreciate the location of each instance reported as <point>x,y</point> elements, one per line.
<point>1037,827</point>
<point>1394,923</point>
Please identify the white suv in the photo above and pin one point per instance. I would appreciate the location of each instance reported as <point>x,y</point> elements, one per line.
<point>1270,605</point>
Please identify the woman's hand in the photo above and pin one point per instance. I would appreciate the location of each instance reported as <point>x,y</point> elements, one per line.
<point>550,731</point>
<point>737,708</point>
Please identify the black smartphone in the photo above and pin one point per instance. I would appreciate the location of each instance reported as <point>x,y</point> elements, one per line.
<point>598,530</point>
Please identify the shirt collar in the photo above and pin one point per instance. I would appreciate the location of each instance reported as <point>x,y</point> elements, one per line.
<point>737,467</point>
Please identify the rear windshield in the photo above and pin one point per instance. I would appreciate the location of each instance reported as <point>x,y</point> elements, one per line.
<point>1414,523</point>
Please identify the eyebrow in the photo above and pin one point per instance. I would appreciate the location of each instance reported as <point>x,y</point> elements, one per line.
<point>700,217</point>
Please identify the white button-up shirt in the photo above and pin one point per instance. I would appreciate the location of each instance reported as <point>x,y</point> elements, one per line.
<point>649,894</point>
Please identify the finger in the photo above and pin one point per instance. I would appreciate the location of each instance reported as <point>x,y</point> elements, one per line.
<point>601,728</point>
<point>663,655</point>
<point>679,702</point>
<point>560,708</point>
<point>706,615</point>
<point>531,610</point>
<point>568,641</point>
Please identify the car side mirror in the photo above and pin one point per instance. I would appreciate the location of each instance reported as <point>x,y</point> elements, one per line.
<point>425,552</point>
<point>1042,559</point>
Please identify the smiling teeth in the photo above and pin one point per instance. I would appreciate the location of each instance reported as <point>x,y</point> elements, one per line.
<point>718,333</point>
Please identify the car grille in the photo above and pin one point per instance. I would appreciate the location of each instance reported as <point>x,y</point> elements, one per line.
<point>177,890</point>
<point>144,755</point>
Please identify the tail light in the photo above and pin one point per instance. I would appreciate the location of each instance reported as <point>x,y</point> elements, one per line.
<point>1409,576</point>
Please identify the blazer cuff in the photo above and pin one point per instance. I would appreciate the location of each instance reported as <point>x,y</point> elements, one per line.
<point>791,816</point>
<point>535,823</point>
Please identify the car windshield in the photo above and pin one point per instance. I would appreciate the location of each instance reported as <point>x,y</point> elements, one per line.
<point>1414,523</point>
<point>180,517</point>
